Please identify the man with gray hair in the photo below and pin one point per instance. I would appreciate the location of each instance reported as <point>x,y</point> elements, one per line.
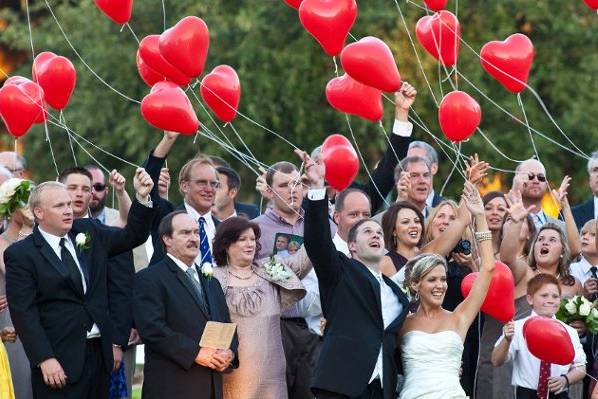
<point>589,209</point>
<point>15,163</point>
<point>422,149</point>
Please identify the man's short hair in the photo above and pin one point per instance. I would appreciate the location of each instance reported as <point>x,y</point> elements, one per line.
<point>352,235</point>
<point>540,280</point>
<point>402,166</point>
<point>186,169</point>
<point>339,200</point>
<point>593,158</point>
<point>91,167</point>
<point>35,197</point>
<point>219,161</point>
<point>165,226</point>
<point>20,159</point>
<point>432,155</point>
<point>234,180</point>
<point>75,170</point>
<point>282,167</point>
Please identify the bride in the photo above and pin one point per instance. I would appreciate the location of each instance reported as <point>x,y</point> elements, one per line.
<point>432,338</point>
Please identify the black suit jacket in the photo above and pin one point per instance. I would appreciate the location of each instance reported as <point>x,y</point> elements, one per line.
<point>153,165</point>
<point>437,199</point>
<point>350,297</point>
<point>584,212</point>
<point>171,321</point>
<point>248,210</point>
<point>49,313</point>
<point>121,270</point>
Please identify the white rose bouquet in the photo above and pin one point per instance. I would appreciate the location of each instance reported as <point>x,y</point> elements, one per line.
<point>276,270</point>
<point>14,194</point>
<point>579,308</point>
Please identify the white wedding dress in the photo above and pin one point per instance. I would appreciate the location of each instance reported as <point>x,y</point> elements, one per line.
<point>431,362</point>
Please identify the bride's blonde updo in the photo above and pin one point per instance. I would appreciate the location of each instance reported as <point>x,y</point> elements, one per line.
<point>417,267</point>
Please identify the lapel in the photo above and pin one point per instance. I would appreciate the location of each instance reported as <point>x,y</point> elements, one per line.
<point>83,256</point>
<point>374,287</point>
<point>48,253</point>
<point>182,277</point>
<point>402,299</point>
<point>205,286</point>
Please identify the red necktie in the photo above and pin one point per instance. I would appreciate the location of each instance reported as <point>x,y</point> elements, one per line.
<point>543,379</point>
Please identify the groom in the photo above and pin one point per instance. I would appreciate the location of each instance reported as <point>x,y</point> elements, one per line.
<point>363,309</point>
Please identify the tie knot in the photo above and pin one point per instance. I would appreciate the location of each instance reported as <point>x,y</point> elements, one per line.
<point>593,269</point>
<point>191,271</point>
<point>63,242</point>
<point>202,220</point>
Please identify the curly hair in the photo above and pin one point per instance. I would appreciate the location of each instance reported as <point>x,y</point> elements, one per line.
<point>227,233</point>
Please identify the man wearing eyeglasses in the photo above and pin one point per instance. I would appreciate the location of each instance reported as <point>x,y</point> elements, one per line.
<point>198,183</point>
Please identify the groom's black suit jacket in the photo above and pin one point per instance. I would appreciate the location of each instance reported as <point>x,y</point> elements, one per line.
<point>350,297</point>
<point>50,314</point>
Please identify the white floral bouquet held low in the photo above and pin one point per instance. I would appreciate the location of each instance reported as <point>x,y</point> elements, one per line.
<point>276,270</point>
<point>14,194</point>
<point>579,308</point>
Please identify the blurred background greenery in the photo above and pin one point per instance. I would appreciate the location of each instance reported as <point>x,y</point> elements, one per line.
<point>283,73</point>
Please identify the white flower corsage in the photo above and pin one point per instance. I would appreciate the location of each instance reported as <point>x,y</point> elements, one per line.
<point>82,240</point>
<point>276,270</point>
<point>207,270</point>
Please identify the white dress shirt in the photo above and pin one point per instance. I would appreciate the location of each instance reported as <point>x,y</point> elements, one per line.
<point>581,270</point>
<point>54,242</point>
<point>341,245</point>
<point>183,266</point>
<point>401,128</point>
<point>595,207</point>
<point>209,226</point>
<point>526,367</point>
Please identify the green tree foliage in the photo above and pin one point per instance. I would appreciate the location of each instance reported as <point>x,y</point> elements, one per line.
<point>284,72</point>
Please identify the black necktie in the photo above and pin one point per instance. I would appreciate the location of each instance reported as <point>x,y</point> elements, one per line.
<point>71,265</point>
<point>593,270</point>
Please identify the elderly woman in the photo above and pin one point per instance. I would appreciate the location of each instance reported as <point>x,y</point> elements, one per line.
<point>13,194</point>
<point>256,293</point>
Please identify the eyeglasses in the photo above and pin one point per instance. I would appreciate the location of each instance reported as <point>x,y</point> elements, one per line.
<point>540,176</point>
<point>99,187</point>
<point>203,184</point>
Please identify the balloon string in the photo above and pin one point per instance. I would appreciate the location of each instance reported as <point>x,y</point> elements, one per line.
<point>163,16</point>
<point>63,121</point>
<point>455,167</point>
<point>50,145</point>
<point>242,141</point>
<point>335,66</point>
<point>29,28</point>
<point>241,157</point>
<point>128,25</point>
<point>531,136</point>
<point>83,61</point>
<point>92,157</point>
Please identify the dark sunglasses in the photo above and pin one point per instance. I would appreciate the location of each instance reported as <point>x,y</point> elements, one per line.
<point>99,187</point>
<point>540,176</point>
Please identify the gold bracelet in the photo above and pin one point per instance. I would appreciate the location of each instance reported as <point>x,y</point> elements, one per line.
<point>483,236</point>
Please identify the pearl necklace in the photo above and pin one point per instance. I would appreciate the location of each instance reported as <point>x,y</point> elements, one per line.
<point>240,277</point>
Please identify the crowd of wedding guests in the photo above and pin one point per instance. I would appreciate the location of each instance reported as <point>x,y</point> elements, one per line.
<point>352,294</point>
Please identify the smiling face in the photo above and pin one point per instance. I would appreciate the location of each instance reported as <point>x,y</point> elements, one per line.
<point>199,189</point>
<point>368,245</point>
<point>432,286</point>
<point>408,228</point>
<point>442,220</point>
<point>183,244</point>
<point>545,302</point>
<point>548,248</point>
<point>421,182</point>
<point>531,189</point>
<point>495,210</point>
<point>242,252</point>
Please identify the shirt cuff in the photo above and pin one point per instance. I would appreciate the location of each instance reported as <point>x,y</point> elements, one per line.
<point>147,202</point>
<point>403,129</point>
<point>316,194</point>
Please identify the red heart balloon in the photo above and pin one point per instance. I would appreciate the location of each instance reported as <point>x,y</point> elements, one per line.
<point>439,34</point>
<point>148,75</point>
<point>21,105</point>
<point>436,5</point>
<point>459,115</point>
<point>548,340</point>
<point>57,76</point>
<point>340,160</point>
<point>293,3</point>
<point>221,90</point>
<point>500,298</point>
<point>593,4</point>
<point>345,94</point>
<point>509,61</point>
<point>167,107</point>
<point>150,54</point>
<point>185,45</point>
<point>329,21</point>
<point>117,10</point>
<point>34,92</point>
<point>370,62</point>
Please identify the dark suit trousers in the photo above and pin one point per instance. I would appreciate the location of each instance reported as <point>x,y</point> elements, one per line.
<point>525,393</point>
<point>302,350</point>
<point>373,391</point>
<point>93,384</point>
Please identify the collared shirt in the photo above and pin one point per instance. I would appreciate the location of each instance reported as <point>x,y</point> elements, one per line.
<point>208,225</point>
<point>430,199</point>
<point>341,245</point>
<point>101,217</point>
<point>581,270</point>
<point>401,128</point>
<point>54,242</point>
<point>232,215</point>
<point>183,266</point>
<point>309,307</point>
<point>391,309</point>
<point>595,207</point>
<point>526,367</point>
<point>539,218</point>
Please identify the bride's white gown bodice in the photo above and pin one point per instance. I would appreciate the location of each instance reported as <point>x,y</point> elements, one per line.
<point>431,363</point>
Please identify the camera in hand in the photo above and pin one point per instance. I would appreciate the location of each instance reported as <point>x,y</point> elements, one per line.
<point>462,247</point>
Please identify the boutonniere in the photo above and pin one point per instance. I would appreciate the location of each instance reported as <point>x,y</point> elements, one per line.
<point>276,270</point>
<point>82,240</point>
<point>207,270</point>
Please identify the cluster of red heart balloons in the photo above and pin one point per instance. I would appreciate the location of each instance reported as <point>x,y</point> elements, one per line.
<point>548,340</point>
<point>340,160</point>
<point>23,101</point>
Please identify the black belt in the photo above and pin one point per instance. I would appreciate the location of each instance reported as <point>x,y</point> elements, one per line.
<point>297,320</point>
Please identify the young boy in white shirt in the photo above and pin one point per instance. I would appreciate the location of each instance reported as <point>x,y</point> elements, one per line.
<point>544,297</point>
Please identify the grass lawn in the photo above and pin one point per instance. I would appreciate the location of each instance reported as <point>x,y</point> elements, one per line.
<point>136,393</point>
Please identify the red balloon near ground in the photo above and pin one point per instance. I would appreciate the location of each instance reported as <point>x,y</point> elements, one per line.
<point>593,4</point>
<point>329,21</point>
<point>221,90</point>
<point>548,340</point>
<point>509,61</point>
<point>57,76</point>
<point>148,75</point>
<point>459,115</point>
<point>21,105</point>
<point>293,3</point>
<point>370,61</point>
<point>167,107</point>
<point>340,160</point>
<point>500,299</point>
<point>347,95</point>
<point>436,5</point>
<point>117,10</point>
<point>440,35</point>
<point>149,52</point>
<point>185,45</point>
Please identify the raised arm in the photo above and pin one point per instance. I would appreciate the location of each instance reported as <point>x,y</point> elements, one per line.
<point>561,196</point>
<point>118,181</point>
<point>446,241</point>
<point>467,310</point>
<point>509,247</point>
